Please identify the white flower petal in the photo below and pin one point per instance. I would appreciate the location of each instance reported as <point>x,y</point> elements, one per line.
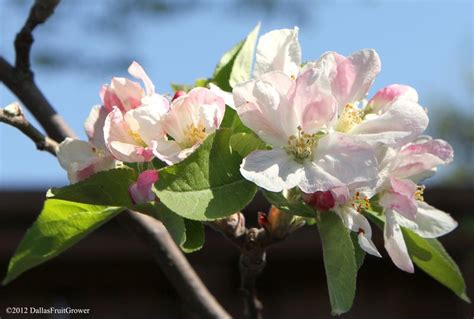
<point>429,222</point>
<point>357,222</point>
<point>80,160</point>
<point>395,243</point>
<point>146,122</point>
<point>137,71</point>
<point>368,245</point>
<point>350,161</point>
<point>228,98</point>
<point>278,50</point>
<point>403,120</point>
<point>74,151</point>
<point>258,106</point>
<point>167,151</point>
<point>94,126</point>
<point>273,170</point>
<point>315,179</point>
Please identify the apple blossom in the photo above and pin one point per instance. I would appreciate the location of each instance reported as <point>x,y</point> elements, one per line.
<point>402,198</point>
<point>191,118</point>
<point>81,159</point>
<point>291,116</point>
<point>129,137</point>
<point>393,116</point>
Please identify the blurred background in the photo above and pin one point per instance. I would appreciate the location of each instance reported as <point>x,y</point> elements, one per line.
<point>425,44</point>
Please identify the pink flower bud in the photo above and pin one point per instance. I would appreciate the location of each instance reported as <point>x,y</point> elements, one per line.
<point>141,191</point>
<point>321,201</point>
<point>178,94</point>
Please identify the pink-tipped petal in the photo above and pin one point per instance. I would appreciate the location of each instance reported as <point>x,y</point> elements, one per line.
<point>353,75</point>
<point>389,94</point>
<point>80,159</point>
<point>310,97</point>
<point>420,157</point>
<point>110,99</point>
<point>400,197</point>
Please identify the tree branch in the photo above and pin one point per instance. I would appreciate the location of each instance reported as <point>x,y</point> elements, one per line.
<point>20,81</point>
<point>39,13</point>
<point>173,263</point>
<point>252,244</point>
<point>252,263</point>
<point>12,115</point>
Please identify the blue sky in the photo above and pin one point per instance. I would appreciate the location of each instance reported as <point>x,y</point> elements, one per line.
<point>426,44</point>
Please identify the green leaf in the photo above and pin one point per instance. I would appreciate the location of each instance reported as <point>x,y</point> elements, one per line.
<point>187,234</point>
<point>173,223</point>
<point>181,87</point>
<point>246,143</point>
<point>201,82</point>
<point>107,188</point>
<point>339,262</point>
<point>236,64</point>
<point>60,225</point>
<point>207,185</point>
<point>232,120</point>
<point>293,207</point>
<point>358,252</point>
<point>194,236</point>
<point>431,257</point>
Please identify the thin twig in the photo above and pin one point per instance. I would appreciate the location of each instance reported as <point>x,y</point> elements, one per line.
<point>252,244</point>
<point>12,115</point>
<point>20,81</point>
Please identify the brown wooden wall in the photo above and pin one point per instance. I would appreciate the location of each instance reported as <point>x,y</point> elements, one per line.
<point>112,273</point>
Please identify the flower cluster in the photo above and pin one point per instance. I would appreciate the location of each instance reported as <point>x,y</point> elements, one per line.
<point>135,125</point>
<point>341,151</point>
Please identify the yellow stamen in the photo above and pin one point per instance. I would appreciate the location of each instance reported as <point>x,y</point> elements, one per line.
<point>350,117</point>
<point>194,135</point>
<point>137,138</point>
<point>301,146</point>
<point>419,193</point>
